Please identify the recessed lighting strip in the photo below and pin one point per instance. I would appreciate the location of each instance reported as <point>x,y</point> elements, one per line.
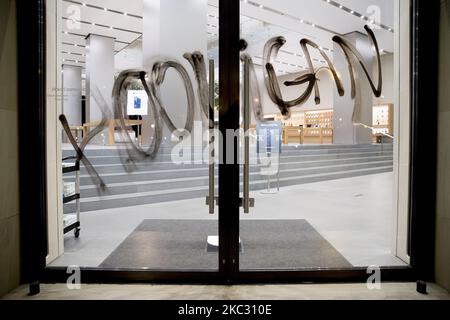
<point>85,35</point>
<point>104,9</point>
<point>306,22</point>
<point>284,63</point>
<point>74,61</point>
<point>74,53</point>
<point>359,15</point>
<point>74,44</point>
<point>303,21</point>
<point>278,70</point>
<point>102,25</point>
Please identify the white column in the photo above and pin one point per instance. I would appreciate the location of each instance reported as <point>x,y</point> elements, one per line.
<point>72,94</point>
<point>345,132</point>
<point>99,74</point>
<point>172,28</point>
<point>402,129</point>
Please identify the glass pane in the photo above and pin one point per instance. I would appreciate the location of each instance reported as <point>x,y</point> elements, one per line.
<point>328,159</point>
<point>134,96</point>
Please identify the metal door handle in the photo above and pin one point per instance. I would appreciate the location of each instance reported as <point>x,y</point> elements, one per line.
<point>212,171</point>
<point>246,112</point>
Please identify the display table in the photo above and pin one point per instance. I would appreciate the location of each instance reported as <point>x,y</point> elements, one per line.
<point>292,135</point>
<point>111,125</point>
<point>307,135</point>
<point>77,131</point>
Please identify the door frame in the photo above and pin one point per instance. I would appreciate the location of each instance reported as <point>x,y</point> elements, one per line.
<point>33,175</point>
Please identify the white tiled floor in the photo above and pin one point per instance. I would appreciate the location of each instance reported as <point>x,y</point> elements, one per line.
<point>355,215</point>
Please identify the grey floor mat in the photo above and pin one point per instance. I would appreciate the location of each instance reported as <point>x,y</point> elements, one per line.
<point>268,244</point>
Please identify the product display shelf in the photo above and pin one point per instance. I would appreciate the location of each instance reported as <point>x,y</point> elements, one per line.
<point>383,119</point>
<point>319,119</point>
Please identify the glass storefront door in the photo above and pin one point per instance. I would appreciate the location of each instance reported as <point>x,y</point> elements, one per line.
<point>325,112</point>
<point>132,100</point>
<point>148,152</point>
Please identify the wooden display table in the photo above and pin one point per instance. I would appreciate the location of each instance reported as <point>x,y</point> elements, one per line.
<point>78,132</point>
<point>307,135</point>
<point>292,135</point>
<point>112,125</point>
<point>317,135</point>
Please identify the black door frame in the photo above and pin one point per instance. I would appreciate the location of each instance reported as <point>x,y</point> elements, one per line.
<point>32,140</point>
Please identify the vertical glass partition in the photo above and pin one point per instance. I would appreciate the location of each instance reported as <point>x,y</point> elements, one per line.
<point>325,91</point>
<point>132,91</point>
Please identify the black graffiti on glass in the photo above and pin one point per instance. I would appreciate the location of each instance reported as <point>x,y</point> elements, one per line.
<point>352,56</point>
<point>132,152</point>
<point>80,156</point>
<point>255,92</point>
<point>152,82</point>
<point>79,152</point>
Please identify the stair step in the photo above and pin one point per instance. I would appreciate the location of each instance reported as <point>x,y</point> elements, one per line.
<point>118,169</point>
<point>133,199</point>
<point>167,150</point>
<point>161,180</point>
<point>167,156</point>
<point>186,173</point>
<point>202,180</point>
<point>112,162</point>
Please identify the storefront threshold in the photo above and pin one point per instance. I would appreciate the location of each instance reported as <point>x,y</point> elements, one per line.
<point>129,276</point>
<point>388,291</point>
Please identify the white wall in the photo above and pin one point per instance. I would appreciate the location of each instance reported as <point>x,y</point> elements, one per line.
<point>99,74</point>
<point>72,94</point>
<point>169,34</point>
<point>54,132</point>
<point>388,95</point>
<point>402,129</point>
<point>346,111</point>
<point>129,58</point>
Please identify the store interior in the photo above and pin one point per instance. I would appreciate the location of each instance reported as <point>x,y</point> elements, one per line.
<point>333,199</point>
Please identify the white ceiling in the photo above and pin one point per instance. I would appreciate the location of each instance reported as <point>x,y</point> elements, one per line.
<point>318,20</point>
